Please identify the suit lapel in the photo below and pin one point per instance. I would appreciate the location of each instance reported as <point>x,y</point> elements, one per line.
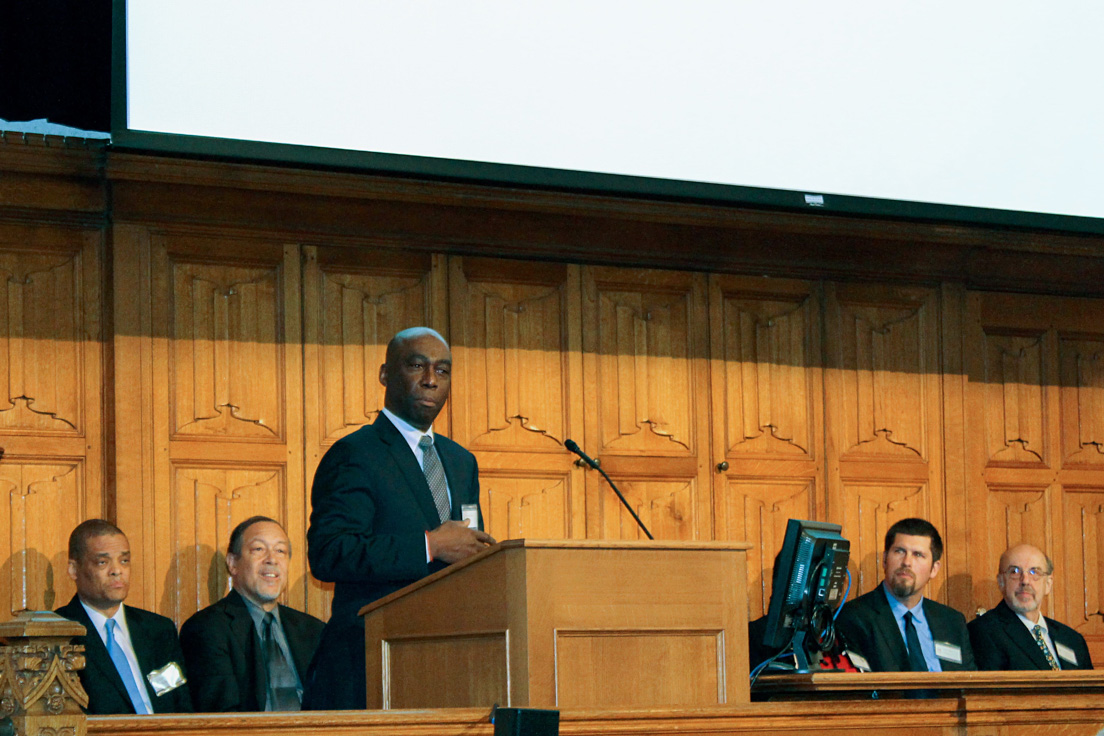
<point>1019,635</point>
<point>143,644</point>
<point>97,661</point>
<point>887,623</point>
<point>411,471</point>
<point>299,653</point>
<point>244,631</point>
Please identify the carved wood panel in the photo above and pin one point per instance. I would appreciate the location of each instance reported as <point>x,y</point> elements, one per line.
<point>756,510</point>
<point>529,506</point>
<point>646,394</point>
<point>51,401</point>
<point>884,344</point>
<point>41,356</point>
<point>1013,383</point>
<point>511,323</point>
<point>44,501</point>
<point>224,357</point>
<point>642,338</point>
<point>766,358</point>
<point>1080,583</point>
<point>667,507</point>
<point>1081,363</point>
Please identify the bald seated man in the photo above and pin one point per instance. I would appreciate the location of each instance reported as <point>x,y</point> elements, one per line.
<point>1015,635</point>
<point>391,503</point>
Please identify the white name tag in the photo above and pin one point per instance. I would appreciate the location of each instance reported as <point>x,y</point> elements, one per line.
<point>858,660</point>
<point>470,513</point>
<point>1066,653</point>
<point>166,679</point>
<point>948,652</point>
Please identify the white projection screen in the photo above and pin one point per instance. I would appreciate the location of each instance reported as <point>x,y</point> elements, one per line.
<point>975,111</point>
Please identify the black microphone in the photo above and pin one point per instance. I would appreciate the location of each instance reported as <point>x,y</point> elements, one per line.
<point>570,444</point>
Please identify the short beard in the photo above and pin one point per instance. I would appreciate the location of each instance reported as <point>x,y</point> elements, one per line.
<point>1022,609</point>
<point>902,587</point>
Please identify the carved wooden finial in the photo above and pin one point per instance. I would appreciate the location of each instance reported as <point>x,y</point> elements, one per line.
<point>39,686</point>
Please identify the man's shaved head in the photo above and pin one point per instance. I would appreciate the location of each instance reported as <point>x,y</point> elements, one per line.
<point>408,334</point>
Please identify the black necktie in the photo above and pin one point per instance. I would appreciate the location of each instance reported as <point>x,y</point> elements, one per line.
<point>283,691</point>
<point>912,640</point>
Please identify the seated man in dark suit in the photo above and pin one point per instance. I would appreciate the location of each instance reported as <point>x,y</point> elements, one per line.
<point>1015,635</point>
<point>894,626</point>
<point>133,662</point>
<point>246,652</point>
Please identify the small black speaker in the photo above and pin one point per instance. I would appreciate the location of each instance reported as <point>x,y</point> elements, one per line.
<point>526,722</point>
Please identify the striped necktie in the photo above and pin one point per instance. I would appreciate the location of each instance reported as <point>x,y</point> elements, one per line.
<point>1038,631</point>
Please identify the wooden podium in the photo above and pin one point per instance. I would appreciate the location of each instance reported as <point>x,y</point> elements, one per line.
<point>566,624</point>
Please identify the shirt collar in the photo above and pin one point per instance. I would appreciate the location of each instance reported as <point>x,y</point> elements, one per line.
<point>1032,624</point>
<point>409,432</point>
<point>257,613</point>
<point>100,621</point>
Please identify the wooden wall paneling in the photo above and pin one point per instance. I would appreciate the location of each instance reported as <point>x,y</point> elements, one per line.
<point>1008,445</point>
<point>518,391</point>
<point>51,420</point>
<point>883,412</point>
<point>224,391</point>
<point>767,392</point>
<point>1034,444</point>
<point>354,300</point>
<point>646,388</point>
<point>958,531</point>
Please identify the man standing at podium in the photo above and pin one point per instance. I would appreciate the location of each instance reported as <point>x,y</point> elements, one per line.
<point>391,503</point>
<point>895,626</point>
<point>1015,635</point>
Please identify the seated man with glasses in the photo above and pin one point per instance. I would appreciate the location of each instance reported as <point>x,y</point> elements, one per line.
<point>1015,635</point>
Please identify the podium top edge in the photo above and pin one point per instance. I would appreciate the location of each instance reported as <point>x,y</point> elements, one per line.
<point>561,544</point>
<point>618,544</point>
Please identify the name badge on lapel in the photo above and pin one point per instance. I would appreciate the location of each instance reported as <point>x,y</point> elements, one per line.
<point>166,679</point>
<point>1066,654</point>
<point>948,652</point>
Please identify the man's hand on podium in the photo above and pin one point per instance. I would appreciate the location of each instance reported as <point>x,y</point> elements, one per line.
<point>453,541</point>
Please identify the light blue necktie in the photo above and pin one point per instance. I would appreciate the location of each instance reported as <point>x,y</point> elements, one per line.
<point>118,658</point>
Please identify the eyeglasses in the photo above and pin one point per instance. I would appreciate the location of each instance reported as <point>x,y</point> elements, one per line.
<point>1018,573</point>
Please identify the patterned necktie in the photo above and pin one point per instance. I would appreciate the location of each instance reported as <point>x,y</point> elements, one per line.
<point>435,477</point>
<point>912,640</point>
<point>1038,631</point>
<point>283,690</point>
<point>118,658</point>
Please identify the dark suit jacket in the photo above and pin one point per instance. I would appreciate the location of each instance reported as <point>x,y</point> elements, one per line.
<point>1002,642</point>
<point>155,645</point>
<point>222,651</point>
<point>371,507</point>
<point>868,625</point>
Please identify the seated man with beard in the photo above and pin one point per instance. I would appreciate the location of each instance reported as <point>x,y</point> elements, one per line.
<point>1015,635</point>
<point>894,626</point>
